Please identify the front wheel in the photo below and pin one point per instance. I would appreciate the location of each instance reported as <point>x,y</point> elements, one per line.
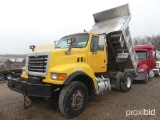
<point>146,78</point>
<point>73,99</point>
<point>126,82</point>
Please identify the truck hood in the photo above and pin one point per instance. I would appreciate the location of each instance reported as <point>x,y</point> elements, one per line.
<point>142,64</point>
<point>58,56</point>
<point>44,48</point>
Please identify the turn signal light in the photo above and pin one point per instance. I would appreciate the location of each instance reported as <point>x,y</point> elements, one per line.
<point>61,76</point>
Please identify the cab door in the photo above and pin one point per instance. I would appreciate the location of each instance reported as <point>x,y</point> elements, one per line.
<point>152,59</point>
<point>97,58</point>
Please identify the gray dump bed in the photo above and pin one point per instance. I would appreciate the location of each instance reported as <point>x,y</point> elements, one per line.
<point>114,23</point>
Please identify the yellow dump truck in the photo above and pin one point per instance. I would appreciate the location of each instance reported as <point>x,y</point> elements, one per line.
<point>82,64</point>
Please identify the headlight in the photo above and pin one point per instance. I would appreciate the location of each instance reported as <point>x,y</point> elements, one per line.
<point>23,72</point>
<point>58,76</point>
<point>54,76</point>
<point>140,70</point>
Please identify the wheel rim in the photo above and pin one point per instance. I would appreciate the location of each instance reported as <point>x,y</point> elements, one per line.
<point>77,100</point>
<point>9,77</point>
<point>128,82</point>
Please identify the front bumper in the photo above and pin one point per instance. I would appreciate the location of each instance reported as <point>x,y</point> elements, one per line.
<point>156,71</point>
<point>37,89</point>
<point>141,76</point>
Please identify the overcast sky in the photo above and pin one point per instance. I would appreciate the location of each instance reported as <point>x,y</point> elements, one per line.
<point>38,22</point>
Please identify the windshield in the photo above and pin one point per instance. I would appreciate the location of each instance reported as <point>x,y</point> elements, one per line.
<point>141,54</point>
<point>158,59</point>
<point>81,41</point>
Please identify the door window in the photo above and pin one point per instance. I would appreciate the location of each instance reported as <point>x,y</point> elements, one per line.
<point>94,44</point>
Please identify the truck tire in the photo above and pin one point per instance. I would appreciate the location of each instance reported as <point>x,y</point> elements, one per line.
<point>73,99</point>
<point>1,76</point>
<point>146,78</point>
<point>9,76</point>
<point>118,81</point>
<point>157,75</point>
<point>126,81</point>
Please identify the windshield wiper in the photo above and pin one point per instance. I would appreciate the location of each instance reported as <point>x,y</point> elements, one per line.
<point>57,47</point>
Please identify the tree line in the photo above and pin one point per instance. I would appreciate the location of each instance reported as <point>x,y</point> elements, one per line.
<point>153,40</point>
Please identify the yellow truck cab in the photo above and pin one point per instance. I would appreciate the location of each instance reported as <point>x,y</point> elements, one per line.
<point>82,64</point>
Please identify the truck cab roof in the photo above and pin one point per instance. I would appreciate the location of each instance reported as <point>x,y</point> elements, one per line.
<point>143,47</point>
<point>141,50</point>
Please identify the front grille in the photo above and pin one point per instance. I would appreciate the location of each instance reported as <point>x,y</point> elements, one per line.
<point>38,63</point>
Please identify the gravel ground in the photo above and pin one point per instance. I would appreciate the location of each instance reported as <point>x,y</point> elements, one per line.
<point>111,105</point>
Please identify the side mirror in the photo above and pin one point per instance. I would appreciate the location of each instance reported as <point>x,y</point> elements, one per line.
<point>32,47</point>
<point>70,41</point>
<point>102,41</point>
<point>55,43</point>
<point>102,38</point>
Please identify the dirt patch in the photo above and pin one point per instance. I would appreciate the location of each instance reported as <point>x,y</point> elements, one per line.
<point>110,105</point>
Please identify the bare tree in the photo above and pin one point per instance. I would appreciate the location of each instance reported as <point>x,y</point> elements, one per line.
<point>153,40</point>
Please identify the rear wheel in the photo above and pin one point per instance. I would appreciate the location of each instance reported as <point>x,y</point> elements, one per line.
<point>126,82</point>
<point>118,81</point>
<point>73,99</point>
<point>157,75</point>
